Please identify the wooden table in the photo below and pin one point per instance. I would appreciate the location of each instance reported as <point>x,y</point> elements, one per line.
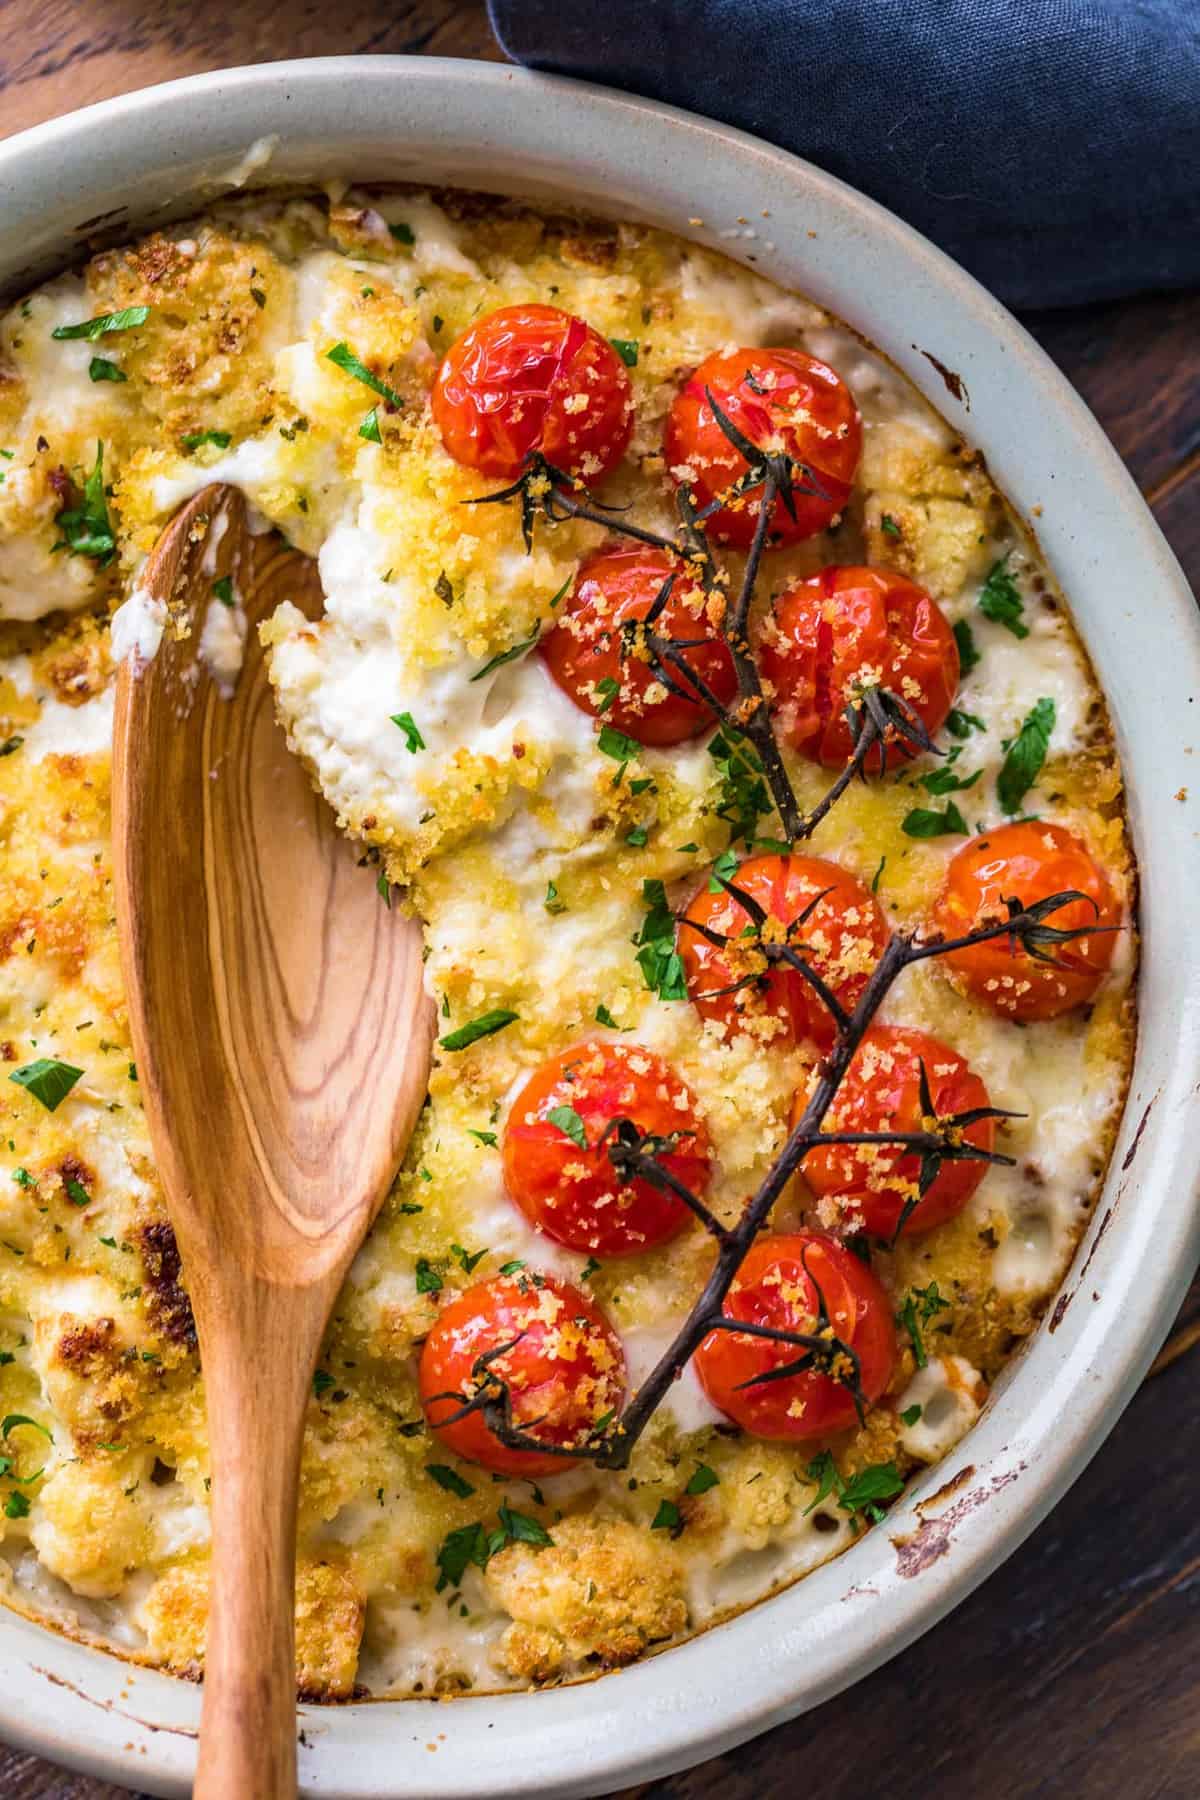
<point>1069,1671</point>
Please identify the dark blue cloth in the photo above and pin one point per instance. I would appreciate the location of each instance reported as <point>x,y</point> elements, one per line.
<point>1051,146</point>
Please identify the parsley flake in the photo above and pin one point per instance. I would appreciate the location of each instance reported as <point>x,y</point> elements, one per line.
<point>627,349</point>
<point>48,1080</point>
<point>428,1279</point>
<point>369,428</point>
<point>91,329</point>
<point>484,1026</point>
<point>220,440</point>
<point>87,529</point>
<point>1025,756</point>
<point>968,654</point>
<point>101,368</point>
<point>922,822</point>
<point>408,726</point>
<point>450,1480</point>
<point>506,656</point>
<point>1000,599</point>
<point>345,359</point>
<point>568,1121</point>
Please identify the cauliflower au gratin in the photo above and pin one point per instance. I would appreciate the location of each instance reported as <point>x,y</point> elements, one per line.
<point>550,831</point>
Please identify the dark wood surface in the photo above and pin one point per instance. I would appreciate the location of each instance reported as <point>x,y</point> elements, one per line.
<point>1069,1672</point>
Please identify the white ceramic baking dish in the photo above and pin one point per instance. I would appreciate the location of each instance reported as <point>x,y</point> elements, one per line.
<point>130,162</point>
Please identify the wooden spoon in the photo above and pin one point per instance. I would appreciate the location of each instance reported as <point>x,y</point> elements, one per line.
<point>282,1037</point>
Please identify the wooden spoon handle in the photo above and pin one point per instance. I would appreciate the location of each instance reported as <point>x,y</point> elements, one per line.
<point>257,1381</point>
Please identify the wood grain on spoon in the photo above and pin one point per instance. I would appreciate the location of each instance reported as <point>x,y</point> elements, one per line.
<point>282,1038</point>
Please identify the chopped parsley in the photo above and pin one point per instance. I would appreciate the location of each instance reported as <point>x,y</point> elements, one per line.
<point>621,748</point>
<point>921,1305</point>
<point>1025,756</point>
<point>607,689</point>
<point>77,1194</point>
<point>48,1080</point>
<point>23,1178</point>
<point>1000,599</point>
<point>484,1026</point>
<point>220,440</point>
<point>658,959</point>
<point>345,359</point>
<point>702,1480</point>
<point>16,1506</point>
<point>604,1017</point>
<point>506,656</point>
<point>568,1121</point>
<point>450,1480</point>
<point>945,779</point>
<point>513,1267</point>
<point>222,588</point>
<point>402,233</point>
<point>877,877</point>
<point>889,527</point>
<point>91,329</point>
<point>87,529</point>
<point>743,797</point>
<point>467,1260</point>
<point>968,654</point>
<point>323,1381</point>
<point>476,1545</point>
<point>552,903</point>
<point>861,1494</point>
<point>627,350</point>
<point>369,428</point>
<point>923,822</point>
<point>102,369</point>
<point>487,1138</point>
<point>408,726</point>
<point>15,1419</point>
<point>667,1518</point>
<point>428,1279</point>
<point>637,837</point>
<point>961,724</point>
<point>910,1415</point>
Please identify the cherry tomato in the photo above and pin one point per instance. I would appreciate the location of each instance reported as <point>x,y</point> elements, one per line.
<point>841,939</point>
<point>874,1183</point>
<point>560,1359</point>
<point>780,400</point>
<point>847,628</point>
<point>606,672</point>
<point>1027,862</point>
<point>574,1194</point>
<point>528,378</point>
<point>780,1285</point>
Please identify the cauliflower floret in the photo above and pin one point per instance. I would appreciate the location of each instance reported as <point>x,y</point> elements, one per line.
<point>602,1591</point>
<point>330,1609</point>
<point>91,1526</point>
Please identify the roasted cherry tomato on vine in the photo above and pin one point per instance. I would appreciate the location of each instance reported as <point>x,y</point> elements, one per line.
<point>528,378</point>
<point>597,655</point>
<point>875,1186</point>
<point>781,400</point>
<point>827,918</point>
<point>557,1162</point>
<point>804,1283</point>
<point>846,629</point>
<point>559,1358</point>
<point>1028,862</point>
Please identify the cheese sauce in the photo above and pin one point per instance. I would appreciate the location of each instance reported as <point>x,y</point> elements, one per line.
<point>509,835</point>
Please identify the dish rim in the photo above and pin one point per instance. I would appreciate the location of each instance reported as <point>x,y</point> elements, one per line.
<point>455,122</point>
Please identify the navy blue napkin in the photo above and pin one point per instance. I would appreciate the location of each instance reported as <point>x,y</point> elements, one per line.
<point>1051,146</point>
